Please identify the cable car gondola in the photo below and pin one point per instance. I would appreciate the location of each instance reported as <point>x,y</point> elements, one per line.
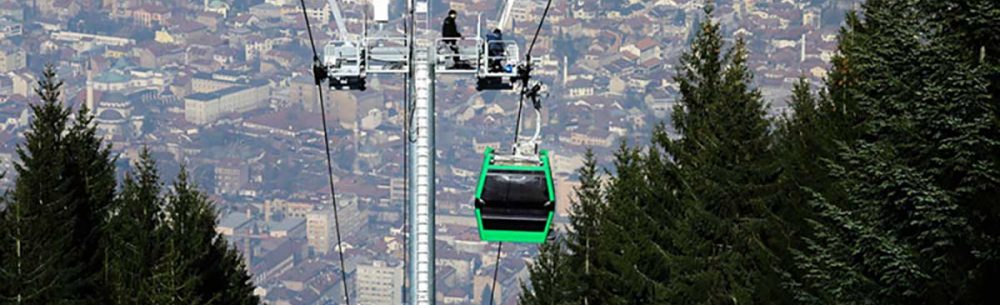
<point>515,198</point>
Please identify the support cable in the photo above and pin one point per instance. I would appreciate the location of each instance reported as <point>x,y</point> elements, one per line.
<point>524,74</point>
<point>538,29</point>
<point>406,147</point>
<point>411,42</point>
<point>526,71</point>
<point>496,270</point>
<point>406,179</point>
<point>517,124</point>
<point>319,74</point>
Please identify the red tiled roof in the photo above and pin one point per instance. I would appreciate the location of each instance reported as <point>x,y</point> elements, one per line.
<point>9,5</point>
<point>287,120</point>
<point>646,43</point>
<point>153,9</point>
<point>62,3</point>
<point>652,62</point>
<point>359,187</point>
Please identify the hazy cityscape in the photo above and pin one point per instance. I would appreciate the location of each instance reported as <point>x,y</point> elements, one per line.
<point>224,88</point>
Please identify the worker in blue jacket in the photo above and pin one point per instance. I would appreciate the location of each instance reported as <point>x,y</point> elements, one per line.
<point>495,50</point>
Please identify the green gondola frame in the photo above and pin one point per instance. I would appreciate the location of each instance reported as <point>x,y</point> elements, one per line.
<point>507,233</point>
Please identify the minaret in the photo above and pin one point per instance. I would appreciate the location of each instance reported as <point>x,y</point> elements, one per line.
<point>565,70</point>
<point>357,143</point>
<point>802,54</point>
<point>90,88</point>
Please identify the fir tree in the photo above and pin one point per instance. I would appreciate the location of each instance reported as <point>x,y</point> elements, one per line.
<point>26,265</point>
<point>170,283</point>
<point>47,266</point>
<point>879,189</point>
<point>90,190</point>
<point>221,276</point>
<point>238,287</point>
<point>133,238</point>
<point>807,145</point>
<point>838,111</point>
<point>800,133</point>
<point>629,271</point>
<point>729,173</point>
<point>581,241</point>
<point>910,230</point>
<point>66,237</point>
<point>550,277</point>
<point>690,220</point>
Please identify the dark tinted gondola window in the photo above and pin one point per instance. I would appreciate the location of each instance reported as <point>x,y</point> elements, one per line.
<point>515,189</point>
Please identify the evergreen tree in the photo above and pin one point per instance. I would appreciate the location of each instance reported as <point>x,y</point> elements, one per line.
<point>25,262</point>
<point>221,275</point>
<point>90,190</point>
<point>838,105</point>
<point>575,257</point>
<point>551,283</point>
<point>66,237</point>
<point>238,287</point>
<point>54,230</point>
<point>807,145</point>
<point>970,27</point>
<point>800,134</point>
<point>879,189</point>
<point>725,160</point>
<point>170,284</point>
<point>581,241</point>
<point>628,275</point>
<point>690,220</point>
<point>133,238</point>
<point>921,177</point>
<point>810,140</point>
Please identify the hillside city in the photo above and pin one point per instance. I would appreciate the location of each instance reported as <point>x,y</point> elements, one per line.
<point>224,89</point>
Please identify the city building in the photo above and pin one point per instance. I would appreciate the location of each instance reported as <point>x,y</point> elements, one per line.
<point>217,7</point>
<point>397,190</point>
<point>231,176</point>
<point>302,91</point>
<point>83,41</point>
<point>151,15</point>
<point>21,83</point>
<point>321,226</point>
<point>288,227</point>
<point>12,10</point>
<point>286,209</point>
<point>10,28</point>
<point>211,82</point>
<point>319,230</point>
<point>113,114</point>
<point>232,223</point>
<point>11,58</point>
<point>380,283</point>
<point>206,107</point>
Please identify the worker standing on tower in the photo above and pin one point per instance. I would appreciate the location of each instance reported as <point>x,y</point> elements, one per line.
<point>449,30</point>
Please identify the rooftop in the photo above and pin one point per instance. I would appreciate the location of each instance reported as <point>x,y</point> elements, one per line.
<point>234,220</point>
<point>111,77</point>
<point>287,224</point>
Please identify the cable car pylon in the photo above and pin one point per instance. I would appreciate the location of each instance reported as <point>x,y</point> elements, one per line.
<point>346,64</point>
